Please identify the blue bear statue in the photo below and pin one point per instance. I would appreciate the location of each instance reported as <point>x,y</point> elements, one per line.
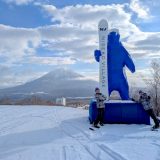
<point>118,58</point>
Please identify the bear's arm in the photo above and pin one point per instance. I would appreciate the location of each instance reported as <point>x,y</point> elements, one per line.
<point>128,60</point>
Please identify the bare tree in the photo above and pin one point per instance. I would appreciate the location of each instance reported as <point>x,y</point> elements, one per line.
<point>154,85</point>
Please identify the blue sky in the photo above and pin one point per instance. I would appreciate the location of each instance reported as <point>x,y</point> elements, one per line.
<point>38,36</point>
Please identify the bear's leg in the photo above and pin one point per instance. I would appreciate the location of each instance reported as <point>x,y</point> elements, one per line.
<point>124,95</point>
<point>124,91</point>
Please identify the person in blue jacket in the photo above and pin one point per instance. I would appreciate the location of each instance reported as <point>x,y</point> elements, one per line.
<point>118,58</point>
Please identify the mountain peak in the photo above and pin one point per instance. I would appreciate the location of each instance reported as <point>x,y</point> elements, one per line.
<point>62,73</point>
<point>57,83</point>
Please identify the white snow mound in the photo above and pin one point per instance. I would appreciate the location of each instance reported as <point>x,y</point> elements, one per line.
<point>62,133</point>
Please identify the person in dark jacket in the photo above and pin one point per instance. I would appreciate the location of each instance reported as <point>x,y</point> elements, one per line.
<point>100,98</point>
<point>144,99</point>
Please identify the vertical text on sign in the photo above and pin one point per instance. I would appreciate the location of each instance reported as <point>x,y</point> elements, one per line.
<point>103,78</point>
<point>103,65</point>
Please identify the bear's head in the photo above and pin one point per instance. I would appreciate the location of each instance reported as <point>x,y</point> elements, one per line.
<point>113,38</point>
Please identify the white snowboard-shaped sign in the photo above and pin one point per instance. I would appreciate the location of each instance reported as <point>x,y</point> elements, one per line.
<point>103,68</point>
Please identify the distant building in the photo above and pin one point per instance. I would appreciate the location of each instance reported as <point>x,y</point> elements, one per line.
<point>61,101</point>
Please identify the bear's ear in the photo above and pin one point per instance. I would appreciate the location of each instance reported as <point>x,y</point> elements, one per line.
<point>114,32</point>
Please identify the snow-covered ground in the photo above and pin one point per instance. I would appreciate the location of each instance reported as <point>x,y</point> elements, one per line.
<point>61,133</point>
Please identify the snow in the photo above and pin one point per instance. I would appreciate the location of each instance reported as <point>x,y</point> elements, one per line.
<point>62,133</point>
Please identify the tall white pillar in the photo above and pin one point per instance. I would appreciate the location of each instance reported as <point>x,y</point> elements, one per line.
<point>103,68</point>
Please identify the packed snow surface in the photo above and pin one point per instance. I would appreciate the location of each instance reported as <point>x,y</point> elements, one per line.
<point>62,133</point>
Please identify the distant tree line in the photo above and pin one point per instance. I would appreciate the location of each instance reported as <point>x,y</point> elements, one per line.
<point>34,100</point>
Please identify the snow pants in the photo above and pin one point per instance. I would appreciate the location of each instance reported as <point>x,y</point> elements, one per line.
<point>153,116</point>
<point>100,116</point>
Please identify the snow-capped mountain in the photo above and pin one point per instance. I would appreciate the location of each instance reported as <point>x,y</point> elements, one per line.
<point>60,82</point>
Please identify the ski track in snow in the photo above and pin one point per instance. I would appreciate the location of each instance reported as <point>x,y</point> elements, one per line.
<point>114,155</point>
<point>63,133</point>
<point>58,119</point>
<point>13,123</point>
<point>103,148</point>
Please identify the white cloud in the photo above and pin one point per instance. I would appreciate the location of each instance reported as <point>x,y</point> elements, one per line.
<point>140,9</point>
<point>88,16</point>
<point>10,77</point>
<point>81,22</point>
<point>50,60</point>
<point>15,43</point>
<point>18,2</point>
<point>144,45</point>
<point>76,31</point>
<point>73,36</point>
<point>137,79</point>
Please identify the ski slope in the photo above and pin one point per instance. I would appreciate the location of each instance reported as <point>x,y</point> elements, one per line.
<point>61,133</point>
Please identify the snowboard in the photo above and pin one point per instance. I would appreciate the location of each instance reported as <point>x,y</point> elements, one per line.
<point>103,68</point>
<point>93,129</point>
